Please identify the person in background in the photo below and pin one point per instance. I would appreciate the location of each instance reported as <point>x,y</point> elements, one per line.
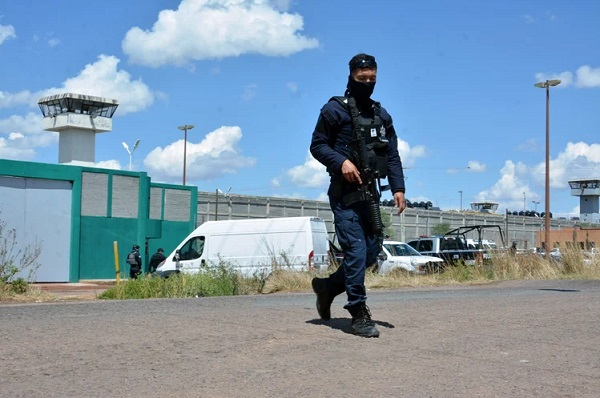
<point>135,262</point>
<point>156,259</point>
<point>332,145</point>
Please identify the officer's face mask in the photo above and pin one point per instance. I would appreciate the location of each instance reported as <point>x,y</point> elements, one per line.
<point>361,91</point>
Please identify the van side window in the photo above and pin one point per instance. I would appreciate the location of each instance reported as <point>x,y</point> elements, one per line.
<point>192,249</point>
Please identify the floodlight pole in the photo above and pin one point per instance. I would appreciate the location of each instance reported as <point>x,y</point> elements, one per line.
<point>131,151</point>
<point>217,192</point>
<point>547,84</point>
<point>185,129</point>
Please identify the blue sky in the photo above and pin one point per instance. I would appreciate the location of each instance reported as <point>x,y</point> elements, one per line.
<point>251,75</point>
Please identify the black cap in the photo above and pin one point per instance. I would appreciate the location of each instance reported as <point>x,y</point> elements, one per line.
<point>362,60</point>
<point>160,250</point>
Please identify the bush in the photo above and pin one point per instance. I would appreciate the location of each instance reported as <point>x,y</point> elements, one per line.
<point>15,261</point>
<point>20,286</point>
<point>215,281</point>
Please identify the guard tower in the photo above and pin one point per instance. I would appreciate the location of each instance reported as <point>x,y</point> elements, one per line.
<point>484,207</point>
<point>588,191</point>
<point>77,118</point>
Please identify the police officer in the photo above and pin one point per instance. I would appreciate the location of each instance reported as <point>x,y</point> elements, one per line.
<point>135,262</point>
<point>156,259</point>
<point>332,144</point>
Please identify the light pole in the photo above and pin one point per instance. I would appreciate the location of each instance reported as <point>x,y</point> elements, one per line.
<point>185,129</point>
<point>130,152</point>
<point>217,192</point>
<point>460,192</point>
<point>524,203</point>
<point>535,203</point>
<point>547,84</point>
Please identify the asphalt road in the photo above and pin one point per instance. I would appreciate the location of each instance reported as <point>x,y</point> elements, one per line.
<point>512,339</point>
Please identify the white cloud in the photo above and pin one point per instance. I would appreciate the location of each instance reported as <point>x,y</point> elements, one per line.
<point>584,77</point>
<point>476,167</point>
<point>249,92</point>
<point>508,190</point>
<point>310,174</point>
<point>214,29</point>
<point>410,155</point>
<point>24,97</point>
<point>217,154</point>
<point>588,77</point>
<point>20,135</point>
<point>102,79</point>
<point>109,164</point>
<point>53,42</point>
<point>293,87</point>
<point>577,160</point>
<point>7,32</point>
<point>528,19</point>
<point>530,145</point>
<point>323,197</point>
<point>550,16</point>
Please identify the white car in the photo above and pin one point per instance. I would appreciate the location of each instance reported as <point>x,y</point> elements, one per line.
<point>399,255</point>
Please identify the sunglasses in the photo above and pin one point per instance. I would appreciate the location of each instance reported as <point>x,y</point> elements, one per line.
<point>364,63</point>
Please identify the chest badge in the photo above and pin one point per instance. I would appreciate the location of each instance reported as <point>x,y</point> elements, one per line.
<point>373,133</point>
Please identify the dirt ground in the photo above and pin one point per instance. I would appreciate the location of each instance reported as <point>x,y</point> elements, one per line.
<point>69,291</point>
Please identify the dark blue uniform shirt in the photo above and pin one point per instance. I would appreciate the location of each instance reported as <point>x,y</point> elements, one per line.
<point>331,139</point>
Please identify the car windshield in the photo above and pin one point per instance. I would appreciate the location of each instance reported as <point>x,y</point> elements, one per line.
<point>400,249</point>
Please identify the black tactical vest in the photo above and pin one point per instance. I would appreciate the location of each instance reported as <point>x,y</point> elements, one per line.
<point>374,134</point>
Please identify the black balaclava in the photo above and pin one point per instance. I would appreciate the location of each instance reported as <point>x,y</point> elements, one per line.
<point>361,91</point>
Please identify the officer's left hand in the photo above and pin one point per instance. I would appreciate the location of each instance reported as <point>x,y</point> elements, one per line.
<point>399,201</point>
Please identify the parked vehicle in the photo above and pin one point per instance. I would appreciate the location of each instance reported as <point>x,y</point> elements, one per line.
<point>252,247</point>
<point>453,247</point>
<point>335,253</point>
<point>399,255</point>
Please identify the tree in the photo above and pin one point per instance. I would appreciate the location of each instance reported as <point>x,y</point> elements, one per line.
<point>441,229</point>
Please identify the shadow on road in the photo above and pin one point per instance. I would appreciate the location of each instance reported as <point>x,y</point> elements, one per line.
<point>343,324</point>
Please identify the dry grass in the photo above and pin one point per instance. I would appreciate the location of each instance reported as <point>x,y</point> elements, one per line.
<point>502,267</point>
<point>574,265</point>
<point>33,294</point>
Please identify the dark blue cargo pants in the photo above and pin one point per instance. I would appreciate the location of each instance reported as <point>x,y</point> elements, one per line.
<point>360,247</point>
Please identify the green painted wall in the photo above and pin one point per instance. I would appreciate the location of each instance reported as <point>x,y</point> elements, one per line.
<point>97,237</point>
<point>92,237</point>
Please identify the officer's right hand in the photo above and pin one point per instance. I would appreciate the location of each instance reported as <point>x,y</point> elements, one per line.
<point>350,172</point>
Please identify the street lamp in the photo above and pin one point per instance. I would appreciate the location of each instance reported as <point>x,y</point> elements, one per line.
<point>185,128</point>
<point>547,84</point>
<point>524,204</point>
<point>130,152</point>
<point>460,192</point>
<point>535,202</point>
<point>217,192</point>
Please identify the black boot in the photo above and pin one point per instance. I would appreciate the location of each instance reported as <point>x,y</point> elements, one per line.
<point>324,297</point>
<point>362,325</point>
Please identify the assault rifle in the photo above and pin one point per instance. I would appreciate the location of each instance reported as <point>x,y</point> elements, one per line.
<point>370,189</point>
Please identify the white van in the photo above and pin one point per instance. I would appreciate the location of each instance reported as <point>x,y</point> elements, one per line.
<point>253,246</point>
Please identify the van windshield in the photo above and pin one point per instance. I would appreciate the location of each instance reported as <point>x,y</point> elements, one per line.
<point>401,249</point>
<point>192,249</point>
